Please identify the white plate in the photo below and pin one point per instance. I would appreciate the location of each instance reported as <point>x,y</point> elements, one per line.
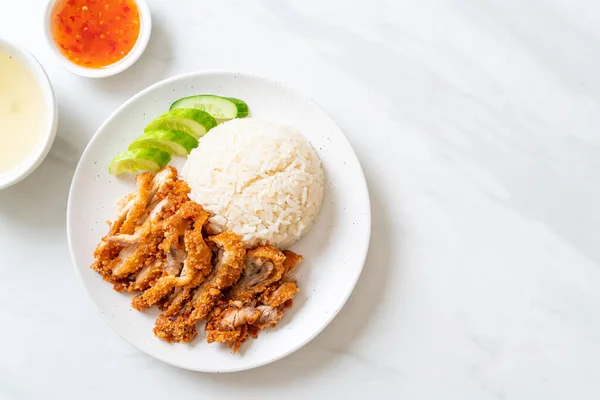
<point>334,251</point>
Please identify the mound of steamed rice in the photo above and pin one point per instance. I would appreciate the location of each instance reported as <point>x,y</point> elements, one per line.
<point>259,179</point>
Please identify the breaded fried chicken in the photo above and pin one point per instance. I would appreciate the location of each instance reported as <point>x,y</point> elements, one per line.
<point>245,315</point>
<point>180,327</point>
<point>157,248</point>
<point>187,255</point>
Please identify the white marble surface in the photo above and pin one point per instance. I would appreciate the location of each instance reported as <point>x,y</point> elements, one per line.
<point>476,123</point>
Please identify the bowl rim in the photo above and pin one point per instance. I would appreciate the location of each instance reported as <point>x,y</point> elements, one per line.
<point>39,153</point>
<point>112,69</point>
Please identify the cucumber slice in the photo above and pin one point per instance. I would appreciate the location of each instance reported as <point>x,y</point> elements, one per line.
<point>188,120</point>
<point>173,142</point>
<point>139,160</point>
<point>222,108</point>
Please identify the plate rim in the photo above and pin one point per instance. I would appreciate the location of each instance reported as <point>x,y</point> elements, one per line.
<point>365,194</point>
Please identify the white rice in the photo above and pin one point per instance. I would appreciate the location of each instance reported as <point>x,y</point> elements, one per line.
<point>259,179</point>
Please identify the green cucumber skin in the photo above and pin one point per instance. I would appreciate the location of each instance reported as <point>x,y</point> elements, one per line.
<point>152,137</point>
<point>158,154</point>
<point>196,115</point>
<point>159,157</point>
<point>242,107</point>
<point>193,101</point>
<point>167,124</point>
<point>151,166</point>
<point>198,118</point>
<point>140,144</point>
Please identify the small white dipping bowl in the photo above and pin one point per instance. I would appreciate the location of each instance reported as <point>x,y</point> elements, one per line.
<point>39,152</point>
<point>112,69</point>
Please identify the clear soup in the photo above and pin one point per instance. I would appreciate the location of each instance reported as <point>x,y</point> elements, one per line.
<point>22,112</point>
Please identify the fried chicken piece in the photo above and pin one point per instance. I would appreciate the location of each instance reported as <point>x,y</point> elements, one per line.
<point>168,200</point>
<point>177,299</point>
<point>271,309</point>
<point>174,303</point>
<point>171,268</point>
<point>126,208</point>
<point>147,276</point>
<point>128,247</point>
<point>199,253</point>
<point>280,295</point>
<point>148,186</point>
<point>133,258</point>
<point>151,219</point>
<point>172,325</point>
<point>164,183</point>
<point>172,330</point>
<point>230,325</point>
<point>245,315</point>
<point>226,272</point>
<point>156,245</point>
<point>127,259</point>
<point>264,266</point>
<point>291,261</point>
<point>187,257</point>
<point>137,250</point>
<point>180,326</point>
<point>131,207</point>
<point>199,267</point>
